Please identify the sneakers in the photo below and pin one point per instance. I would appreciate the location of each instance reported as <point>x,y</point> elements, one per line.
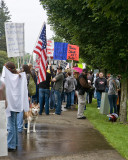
<point>81,117</point>
<point>98,108</point>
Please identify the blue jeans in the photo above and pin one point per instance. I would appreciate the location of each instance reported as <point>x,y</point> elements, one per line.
<point>112,102</point>
<point>68,105</point>
<point>57,102</point>
<point>12,138</point>
<point>52,99</point>
<point>72,97</point>
<point>98,94</point>
<point>44,96</point>
<point>62,97</point>
<point>20,121</point>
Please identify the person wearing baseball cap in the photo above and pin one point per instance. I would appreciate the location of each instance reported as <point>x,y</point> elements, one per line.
<point>58,88</point>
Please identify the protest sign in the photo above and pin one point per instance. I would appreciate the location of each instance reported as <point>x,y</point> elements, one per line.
<point>73,52</point>
<point>14,39</point>
<point>63,64</point>
<point>3,130</point>
<point>96,71</point>
<point>60,51</point>
<point>50,48</point>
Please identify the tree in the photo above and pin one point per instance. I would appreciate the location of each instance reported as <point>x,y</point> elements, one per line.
<point>4,59</point>
<point>57,39</point>
<point>4,17</point>
<point>117,12</point>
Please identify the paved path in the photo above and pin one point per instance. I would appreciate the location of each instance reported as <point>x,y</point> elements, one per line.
<point>63,138</point>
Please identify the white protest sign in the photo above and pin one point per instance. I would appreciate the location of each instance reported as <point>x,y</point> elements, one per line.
<point>63,64</point>
<point>14,39</point>
<point>50,48</point>
<point>3,130</point>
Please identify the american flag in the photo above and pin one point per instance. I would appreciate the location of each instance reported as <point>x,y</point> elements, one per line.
<point>41,51</point>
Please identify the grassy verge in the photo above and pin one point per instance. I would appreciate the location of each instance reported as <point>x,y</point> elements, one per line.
<point>115,133</point>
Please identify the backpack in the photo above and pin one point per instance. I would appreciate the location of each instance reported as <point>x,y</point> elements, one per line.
<point>31,86</point>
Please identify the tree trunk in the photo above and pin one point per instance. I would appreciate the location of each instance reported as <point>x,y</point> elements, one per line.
<point>123,103</point>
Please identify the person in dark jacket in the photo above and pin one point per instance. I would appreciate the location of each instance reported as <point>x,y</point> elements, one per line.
<point>100,84</point>
<point>44,93</point>
<point>83,87</point>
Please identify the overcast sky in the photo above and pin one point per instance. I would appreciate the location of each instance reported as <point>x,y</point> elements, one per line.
<point>32,14</point>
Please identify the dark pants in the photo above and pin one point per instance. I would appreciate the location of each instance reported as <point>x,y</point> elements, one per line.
<point>44,95</point>
<point>52,99</point>
<point>68,105</point>
<point>57,102</point>
<point>112,102</point>
<point>98,94</point>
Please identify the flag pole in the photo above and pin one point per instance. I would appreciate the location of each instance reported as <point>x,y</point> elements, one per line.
<point>36,42</point>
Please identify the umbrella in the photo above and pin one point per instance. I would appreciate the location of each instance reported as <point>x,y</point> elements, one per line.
<point>77,69</point>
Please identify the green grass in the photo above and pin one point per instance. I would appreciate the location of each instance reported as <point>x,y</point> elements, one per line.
<point>115,133</point>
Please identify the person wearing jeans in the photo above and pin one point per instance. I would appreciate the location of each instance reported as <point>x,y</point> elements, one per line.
<point>58,88</point>
<point>44,94</point>
<point>17,101</point>
<point>100,85</point>
<point>44,97</point>
<point>112,93</point>
<point>69,87</point>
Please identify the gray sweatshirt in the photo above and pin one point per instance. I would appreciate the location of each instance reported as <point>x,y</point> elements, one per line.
<point>70,84</point>
<point>113,86</point>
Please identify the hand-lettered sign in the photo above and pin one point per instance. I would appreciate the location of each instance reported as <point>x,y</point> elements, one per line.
<point>14,39</point>
<point>60,51</point>
<point>50,48</point>
<point>73,52</point>
<point>63,64</point>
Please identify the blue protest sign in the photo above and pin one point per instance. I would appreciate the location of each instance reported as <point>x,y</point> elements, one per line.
<point>60,51</point>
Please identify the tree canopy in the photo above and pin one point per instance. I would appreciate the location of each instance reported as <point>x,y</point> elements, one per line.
<point>102,40</point>
<point>4,59</point>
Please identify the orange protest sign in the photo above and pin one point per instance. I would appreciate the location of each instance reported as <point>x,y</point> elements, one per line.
<point>73,52</point>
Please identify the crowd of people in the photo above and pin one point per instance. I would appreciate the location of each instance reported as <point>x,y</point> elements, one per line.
<point>60,86</point>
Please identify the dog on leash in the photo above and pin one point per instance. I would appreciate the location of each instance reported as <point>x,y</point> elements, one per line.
<point>31,116</point>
